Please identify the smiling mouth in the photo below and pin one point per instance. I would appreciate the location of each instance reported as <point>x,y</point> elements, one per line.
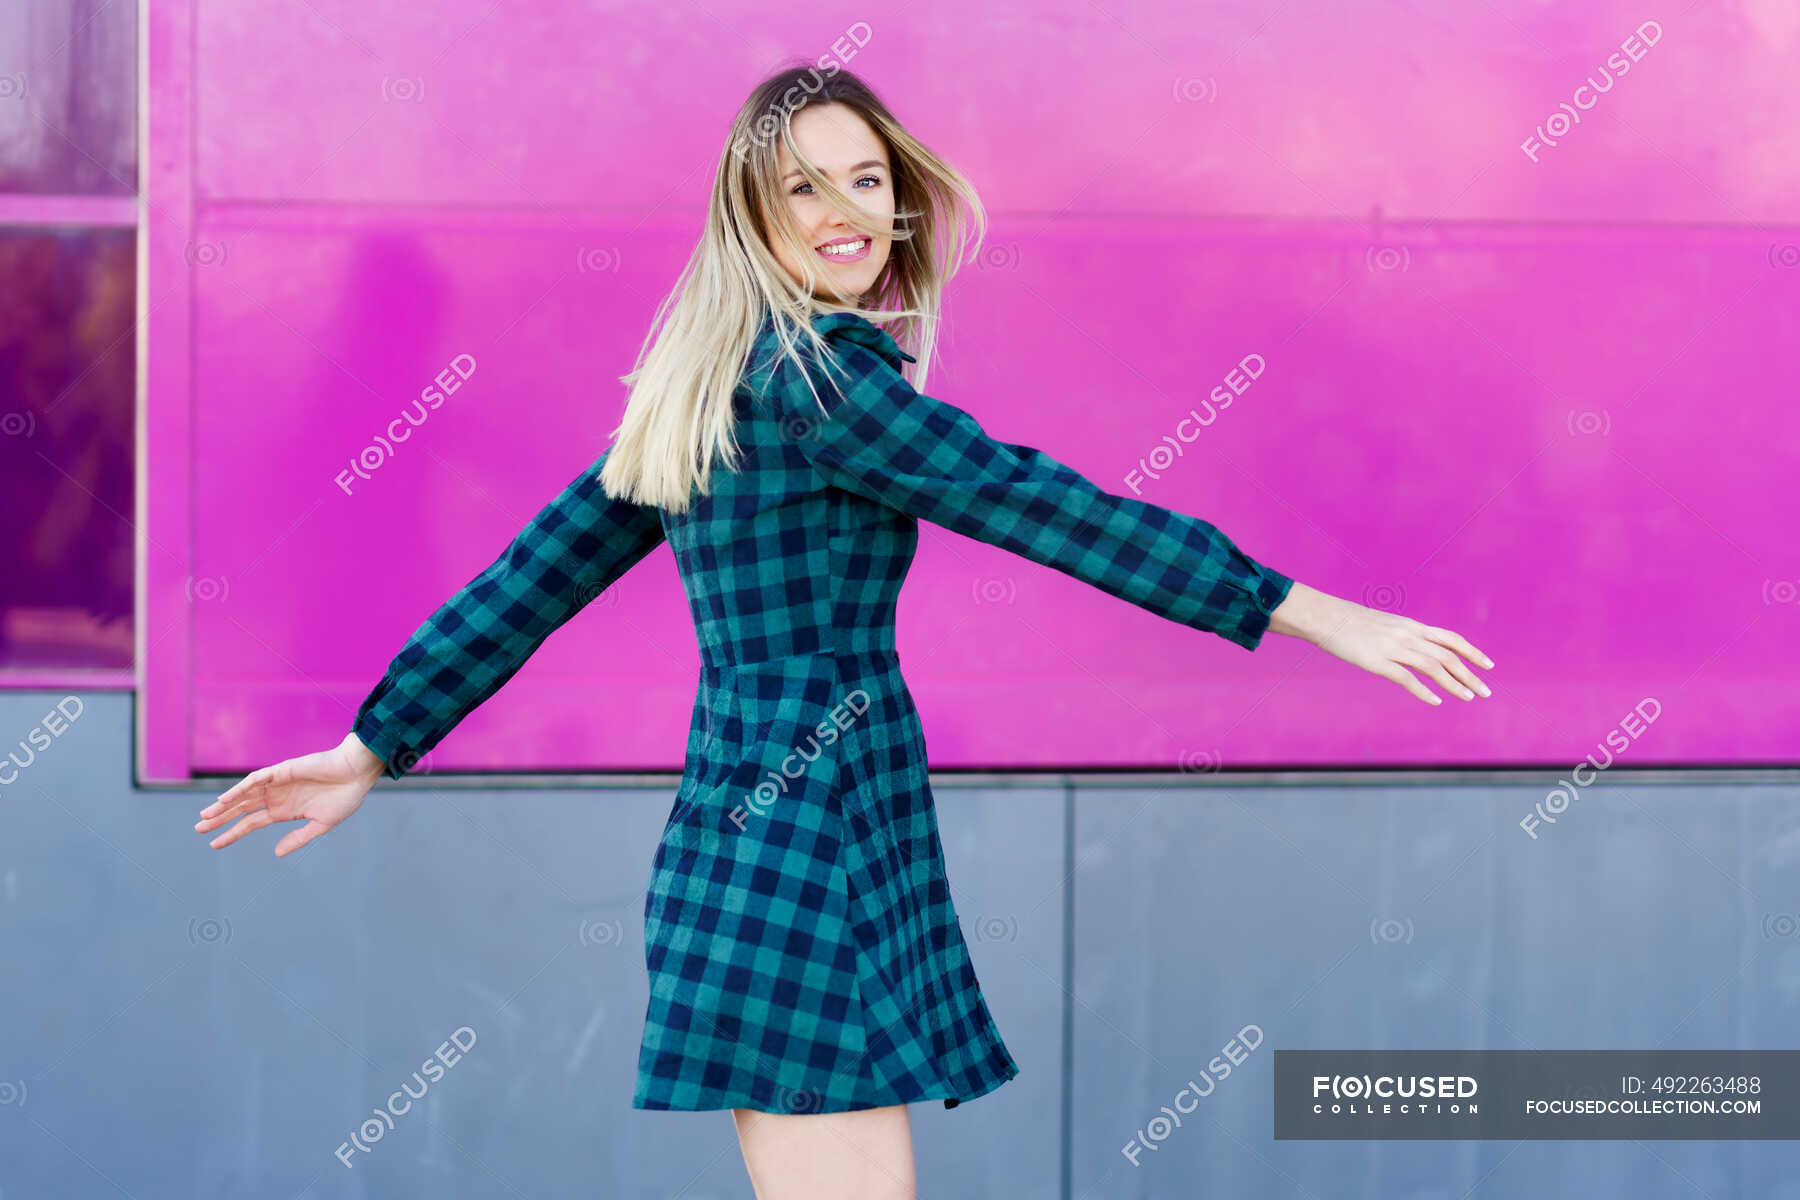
<point>855,249</point>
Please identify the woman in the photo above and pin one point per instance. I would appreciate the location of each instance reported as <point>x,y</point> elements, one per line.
<point>807,970</point>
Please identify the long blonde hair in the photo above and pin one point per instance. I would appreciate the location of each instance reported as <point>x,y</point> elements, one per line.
<point>678,413</point>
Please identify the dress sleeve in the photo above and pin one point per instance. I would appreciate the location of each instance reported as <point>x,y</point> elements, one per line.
<point>575,548</point>
<point>869,432</point>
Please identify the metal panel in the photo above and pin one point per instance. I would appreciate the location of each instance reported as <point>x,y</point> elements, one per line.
<point>1650,915</point>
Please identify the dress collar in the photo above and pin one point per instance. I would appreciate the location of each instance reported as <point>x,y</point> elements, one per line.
<point>857,328</point>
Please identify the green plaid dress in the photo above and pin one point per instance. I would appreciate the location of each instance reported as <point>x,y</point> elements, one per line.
<point>803,951</point>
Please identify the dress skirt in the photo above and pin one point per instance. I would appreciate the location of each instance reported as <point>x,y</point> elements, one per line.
<point>803,951</point>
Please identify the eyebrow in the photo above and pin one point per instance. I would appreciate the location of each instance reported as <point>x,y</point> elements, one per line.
<point>867,162</point>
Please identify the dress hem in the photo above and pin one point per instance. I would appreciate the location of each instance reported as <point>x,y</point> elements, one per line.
<point>932,1093</point>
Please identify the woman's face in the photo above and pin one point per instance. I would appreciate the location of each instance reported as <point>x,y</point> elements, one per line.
<point>842,145</point>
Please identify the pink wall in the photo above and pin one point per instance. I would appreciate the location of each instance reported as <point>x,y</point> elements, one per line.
<point>1543,398</point>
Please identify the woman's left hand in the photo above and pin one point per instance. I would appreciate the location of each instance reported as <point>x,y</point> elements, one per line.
<point>1384,643</point>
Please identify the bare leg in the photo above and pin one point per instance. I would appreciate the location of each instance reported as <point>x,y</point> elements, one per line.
<point>861,1155</point>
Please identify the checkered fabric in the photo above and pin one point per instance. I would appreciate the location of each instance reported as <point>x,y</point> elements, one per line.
<point>803,951</point>
<point>570,552</point>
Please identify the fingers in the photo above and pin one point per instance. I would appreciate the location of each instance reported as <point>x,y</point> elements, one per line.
<point>1436,655</point>
<point>1443,646</point>
<point>254,821</point>
<point>247,800</point>
<point>1458,643</point>
<point>252,793</point>
<point>297,838</point>
<point>1435,668</point>
<point>1460,669</point>
<point>1404,678</point>
<point>254,781</point>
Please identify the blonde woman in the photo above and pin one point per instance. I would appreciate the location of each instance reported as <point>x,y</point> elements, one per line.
<point>807,970</point>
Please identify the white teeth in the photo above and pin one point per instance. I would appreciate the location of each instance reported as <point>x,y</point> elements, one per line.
<point>846,248</point>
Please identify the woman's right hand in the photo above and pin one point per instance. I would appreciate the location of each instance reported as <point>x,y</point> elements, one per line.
<point>322,789</point>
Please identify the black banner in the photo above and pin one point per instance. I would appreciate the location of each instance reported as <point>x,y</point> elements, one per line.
<point>1538,1094</point>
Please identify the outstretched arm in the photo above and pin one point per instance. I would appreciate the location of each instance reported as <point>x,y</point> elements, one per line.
<point>577,546</point>
<point>864,428</point>
<point>878,437</point>
<point>570,552</point>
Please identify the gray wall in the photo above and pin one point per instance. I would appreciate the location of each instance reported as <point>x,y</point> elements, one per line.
<point>184,1022</point>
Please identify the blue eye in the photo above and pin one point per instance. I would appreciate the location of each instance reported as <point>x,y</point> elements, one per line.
<point>874,179</point>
